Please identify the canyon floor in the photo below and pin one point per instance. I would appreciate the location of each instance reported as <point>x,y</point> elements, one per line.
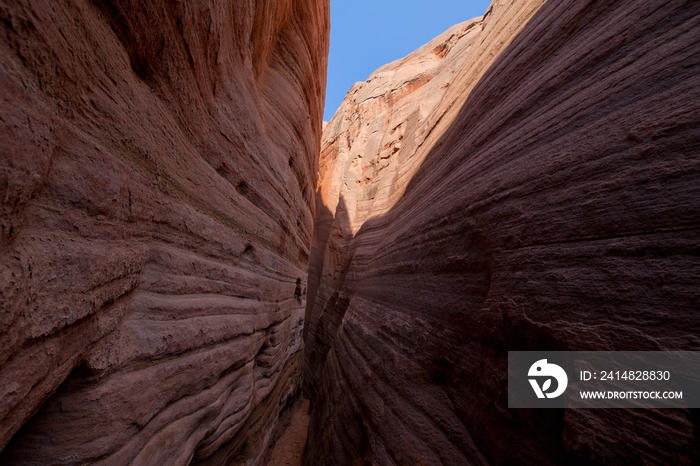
<point>289,448</point>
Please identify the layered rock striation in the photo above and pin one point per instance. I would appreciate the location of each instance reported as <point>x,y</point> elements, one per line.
<point>527,181</point>
<point>157,182</point>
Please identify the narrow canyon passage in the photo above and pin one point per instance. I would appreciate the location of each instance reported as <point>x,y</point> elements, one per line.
<point>197,270</point>
<point>288,450</point>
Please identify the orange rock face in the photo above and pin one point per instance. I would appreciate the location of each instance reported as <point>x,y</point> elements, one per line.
<point>527,181</point>
<point>157,181</point>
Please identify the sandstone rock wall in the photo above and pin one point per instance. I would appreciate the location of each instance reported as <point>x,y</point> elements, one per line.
<point>377,140</point>
<point>527,181</point>
<point>157,180</point>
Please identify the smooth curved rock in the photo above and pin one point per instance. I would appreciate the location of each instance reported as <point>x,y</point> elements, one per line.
<point>547,199</point>
<point>157,180</point>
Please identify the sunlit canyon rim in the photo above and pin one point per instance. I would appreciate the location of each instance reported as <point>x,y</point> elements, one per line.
<point>184,253</point>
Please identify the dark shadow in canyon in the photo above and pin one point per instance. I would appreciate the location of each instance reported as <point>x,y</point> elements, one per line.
<point>323,221</point>
<point>334,234</point>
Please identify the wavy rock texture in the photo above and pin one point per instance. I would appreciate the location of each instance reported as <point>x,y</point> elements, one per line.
<point>546,199</point>
<point>157,179</point>
<point>377,140</point>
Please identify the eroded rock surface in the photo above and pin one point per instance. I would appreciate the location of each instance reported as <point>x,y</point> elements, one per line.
<point>527,181</point>
<point>157,178</point>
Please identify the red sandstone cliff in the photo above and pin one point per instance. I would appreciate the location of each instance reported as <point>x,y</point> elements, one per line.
<point>157,181</point>
<point>527,181</point>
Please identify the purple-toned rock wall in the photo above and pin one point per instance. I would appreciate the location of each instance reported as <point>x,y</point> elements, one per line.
<point>547,199</point>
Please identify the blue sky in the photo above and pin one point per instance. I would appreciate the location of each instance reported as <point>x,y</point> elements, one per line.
<point>366,34</point>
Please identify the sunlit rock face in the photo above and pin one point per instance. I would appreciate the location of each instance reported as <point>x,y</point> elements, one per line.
<point>157,180</point>
<point>526,181</point>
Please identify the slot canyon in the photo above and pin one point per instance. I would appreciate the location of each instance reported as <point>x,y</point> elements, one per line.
<point>194,265</point>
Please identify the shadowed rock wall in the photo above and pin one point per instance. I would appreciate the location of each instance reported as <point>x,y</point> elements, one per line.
<point>157,180</point>
<point>546,199</point>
